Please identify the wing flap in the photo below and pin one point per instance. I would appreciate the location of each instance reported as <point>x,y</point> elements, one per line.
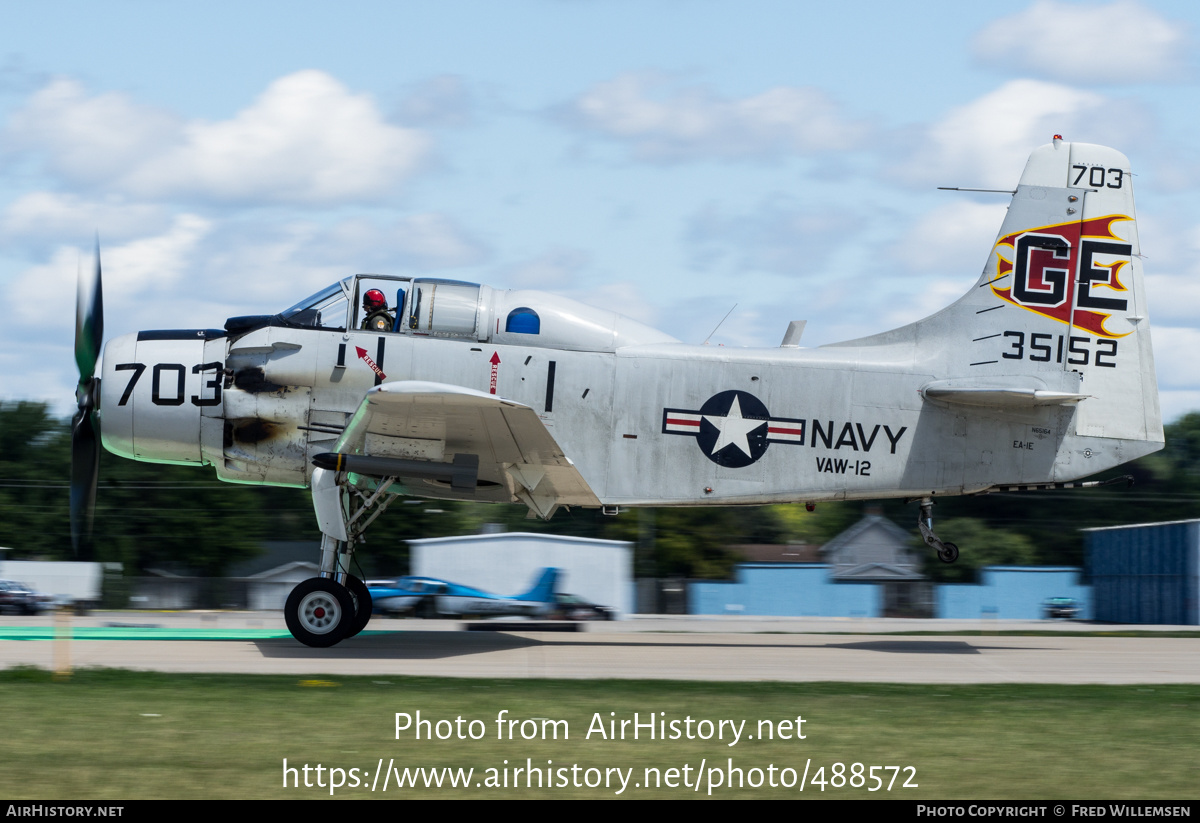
<point>519,458</point>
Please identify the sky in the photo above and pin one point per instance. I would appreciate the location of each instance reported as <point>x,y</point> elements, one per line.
<point>661,158</point>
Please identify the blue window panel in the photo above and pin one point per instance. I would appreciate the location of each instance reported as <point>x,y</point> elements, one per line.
<point>523,320</point>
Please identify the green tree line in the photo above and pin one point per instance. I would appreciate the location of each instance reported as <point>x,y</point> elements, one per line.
<point>184,519</point>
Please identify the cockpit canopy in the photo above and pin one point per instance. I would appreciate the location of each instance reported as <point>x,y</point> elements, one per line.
<point>432,307</point>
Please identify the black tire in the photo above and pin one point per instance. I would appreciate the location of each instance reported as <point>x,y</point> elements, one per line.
<point>948,553</point>
<point>362,605</point>
<point>318,612</point>
<point>426,609</point>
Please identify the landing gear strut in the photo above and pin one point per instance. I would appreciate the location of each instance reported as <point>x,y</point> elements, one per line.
<point>946,552</point>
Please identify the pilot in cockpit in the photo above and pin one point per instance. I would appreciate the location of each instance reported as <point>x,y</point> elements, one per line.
<point>375,309</point>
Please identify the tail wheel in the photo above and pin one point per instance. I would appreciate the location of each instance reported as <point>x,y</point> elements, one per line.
<point>948,553</point>
<point>319,612</point>
<point>362,605</point>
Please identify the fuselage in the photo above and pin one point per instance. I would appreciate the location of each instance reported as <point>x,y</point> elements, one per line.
<point>645,419</point>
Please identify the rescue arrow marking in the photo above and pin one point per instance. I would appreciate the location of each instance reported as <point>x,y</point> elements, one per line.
<point>495,361</point>
<point>366,358</point>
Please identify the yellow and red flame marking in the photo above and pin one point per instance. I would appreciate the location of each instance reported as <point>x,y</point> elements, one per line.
<point>1084,319</point>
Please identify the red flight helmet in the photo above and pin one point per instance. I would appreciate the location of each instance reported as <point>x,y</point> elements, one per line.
<point>374,300</point>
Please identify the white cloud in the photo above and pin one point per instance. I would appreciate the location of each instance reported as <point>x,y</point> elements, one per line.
<point>985,143</point>
<point>252,267</point>
<point>40,217</point>
<point>622,297</point>
<point>305,140</point>
<point>663,123</point>
<point>917,303</point>
<point>441,101</point>
<point>1175,358</point>
<point>41,372</point>
<point>952,239</point>
<point>432,241</point>
<point>1169,240</point>
<point>1086,43</point>
<point>555,269</point>
<point>1175,404</point>
<point>156,264</point>
<point>196,272</point>
<point>88,140</point>
<point>1173,297</point>
<point>1172,269</point>
<point>147,270</point>
<point>420,242</point>
<point>779,236</point>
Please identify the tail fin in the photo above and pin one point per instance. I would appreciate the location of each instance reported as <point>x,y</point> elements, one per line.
<point>1067,272</point>
<point>543,589</point>
<point>1059,315</point>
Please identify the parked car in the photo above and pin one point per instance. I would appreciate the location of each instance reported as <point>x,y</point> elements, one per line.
<point>574,607</point>
<point>1065,607</point>
<point>17,598</point>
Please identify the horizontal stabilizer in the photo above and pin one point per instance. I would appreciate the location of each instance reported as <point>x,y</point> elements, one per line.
<point>998,395</point>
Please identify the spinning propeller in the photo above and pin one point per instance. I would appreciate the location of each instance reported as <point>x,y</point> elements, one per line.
<point>85,434</point>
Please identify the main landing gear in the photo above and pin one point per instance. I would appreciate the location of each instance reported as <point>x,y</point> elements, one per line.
<point>321,611</point>
<point>946,552</point>
<point>335,605</point>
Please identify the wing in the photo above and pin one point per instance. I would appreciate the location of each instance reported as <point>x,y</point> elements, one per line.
<point>456,443</point>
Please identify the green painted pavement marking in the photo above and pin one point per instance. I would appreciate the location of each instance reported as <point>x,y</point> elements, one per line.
<point>141,634</point>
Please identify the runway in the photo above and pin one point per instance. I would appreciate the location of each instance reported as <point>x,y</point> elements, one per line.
<point>727,649</point>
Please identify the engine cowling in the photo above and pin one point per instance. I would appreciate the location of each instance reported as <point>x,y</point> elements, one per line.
<point>156,391</point>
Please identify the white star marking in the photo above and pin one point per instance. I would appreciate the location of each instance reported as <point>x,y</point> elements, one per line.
<point>734,428</point>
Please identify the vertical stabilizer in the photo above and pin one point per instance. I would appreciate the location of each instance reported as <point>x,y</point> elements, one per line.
<point>1057,322</point>
<point>1067,270</point>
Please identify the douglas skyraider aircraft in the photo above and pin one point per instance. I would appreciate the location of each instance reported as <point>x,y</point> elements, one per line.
<point>1040,374</point>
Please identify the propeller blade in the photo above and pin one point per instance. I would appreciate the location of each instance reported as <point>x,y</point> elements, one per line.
<point>89,321</point>
<point>85,440</point>
<point>85,474</point>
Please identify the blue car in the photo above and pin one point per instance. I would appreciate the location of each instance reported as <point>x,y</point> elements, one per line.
<point>430,597</point>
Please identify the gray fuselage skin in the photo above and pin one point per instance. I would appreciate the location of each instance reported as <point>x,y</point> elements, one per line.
<point>861,428</point>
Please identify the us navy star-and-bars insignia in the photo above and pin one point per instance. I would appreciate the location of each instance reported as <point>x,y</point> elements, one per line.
<point>733,428</point>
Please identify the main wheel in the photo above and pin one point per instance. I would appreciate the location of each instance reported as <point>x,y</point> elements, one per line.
<point>319,612</point>
<point>362,605</point>
<point>948,553</point>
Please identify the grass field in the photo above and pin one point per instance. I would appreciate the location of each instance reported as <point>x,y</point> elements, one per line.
<point>109,734</point>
